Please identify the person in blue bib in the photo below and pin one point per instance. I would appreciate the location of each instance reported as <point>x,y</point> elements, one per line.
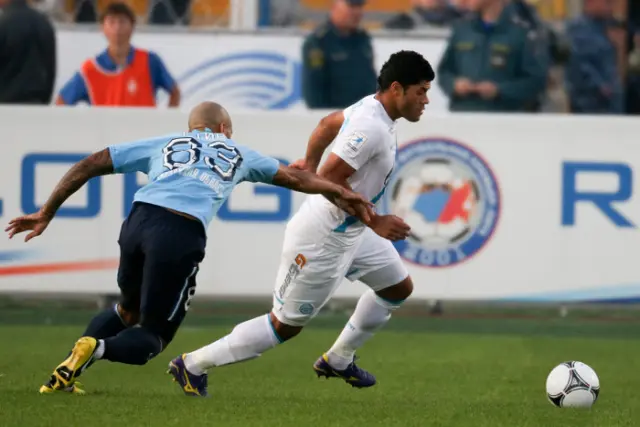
<point>163,239</point>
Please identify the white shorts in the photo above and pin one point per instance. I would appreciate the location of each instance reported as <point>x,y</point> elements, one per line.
<point>311,271</point>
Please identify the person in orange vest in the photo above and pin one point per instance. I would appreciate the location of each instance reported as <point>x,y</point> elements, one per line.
<point>122,75</point>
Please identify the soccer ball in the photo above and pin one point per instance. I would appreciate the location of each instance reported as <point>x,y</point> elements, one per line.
<point>573,385</point>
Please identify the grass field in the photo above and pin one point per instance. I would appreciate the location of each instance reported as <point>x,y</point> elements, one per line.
<point>431,372</point>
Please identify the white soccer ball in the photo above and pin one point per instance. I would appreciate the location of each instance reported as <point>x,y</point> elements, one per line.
<point>573,385</point>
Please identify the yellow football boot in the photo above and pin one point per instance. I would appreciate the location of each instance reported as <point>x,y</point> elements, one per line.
<point>75,388</point>
<point>64,376</point>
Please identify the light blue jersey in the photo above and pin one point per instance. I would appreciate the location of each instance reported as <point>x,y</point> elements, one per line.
<point>192,172</point>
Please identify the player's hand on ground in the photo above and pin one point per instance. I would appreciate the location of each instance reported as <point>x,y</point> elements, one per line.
<point>391,227</point>
<point>36,222</point>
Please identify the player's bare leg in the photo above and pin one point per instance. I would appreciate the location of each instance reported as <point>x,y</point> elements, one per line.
<point>372,312</point>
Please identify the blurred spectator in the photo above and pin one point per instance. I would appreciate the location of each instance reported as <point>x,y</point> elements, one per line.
<point>494,61</point>
<point>122,75</point>
<point>27,55</point>
<point>461,5</point>
<point>85,11</point>
<point>425,12</point>
<point>593,77</point>
<point>163,12</point>
<point>284,13</point>
<point>633,87</point>
<point>554,99</point>
<point>170,12</point>
<point>528,13</point>
<point>338,67</point>
<point>559,48</point>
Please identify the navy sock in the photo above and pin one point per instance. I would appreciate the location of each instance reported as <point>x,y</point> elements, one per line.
<point>105,324</point>
<point>133,346</point>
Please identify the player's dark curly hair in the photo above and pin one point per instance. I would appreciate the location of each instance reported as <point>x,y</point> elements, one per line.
<point>407,68</point>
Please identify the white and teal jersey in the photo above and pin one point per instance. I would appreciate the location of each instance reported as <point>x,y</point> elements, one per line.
<point>367,142</point>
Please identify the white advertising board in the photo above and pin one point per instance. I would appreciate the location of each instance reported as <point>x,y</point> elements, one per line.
<point>501,207</point>
<point>249,71</point>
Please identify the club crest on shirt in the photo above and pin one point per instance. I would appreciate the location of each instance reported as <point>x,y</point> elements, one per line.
<point>356,140</point>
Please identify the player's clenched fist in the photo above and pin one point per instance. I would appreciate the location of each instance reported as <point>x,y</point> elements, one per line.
<point>390,227</point>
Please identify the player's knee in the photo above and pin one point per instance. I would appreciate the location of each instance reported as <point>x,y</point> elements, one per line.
<point>128,316</point>
<point>398,292</point>
<point>406,288</point>
<point>284,331</point>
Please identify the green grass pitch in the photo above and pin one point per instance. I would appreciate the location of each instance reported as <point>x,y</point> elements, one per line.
<point>431,372</point>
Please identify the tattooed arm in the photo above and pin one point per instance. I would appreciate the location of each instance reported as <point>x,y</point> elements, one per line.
<point>96,164</point>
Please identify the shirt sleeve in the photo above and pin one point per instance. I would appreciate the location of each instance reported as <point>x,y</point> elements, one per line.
<point>135,156</point>
<point>160,76</point>
<point>75,90</point>
<point>357,143</point>
<point>259,168</point>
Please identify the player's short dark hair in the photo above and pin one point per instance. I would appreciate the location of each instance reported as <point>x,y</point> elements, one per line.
<point>407,68</point>
<point>118,9</point>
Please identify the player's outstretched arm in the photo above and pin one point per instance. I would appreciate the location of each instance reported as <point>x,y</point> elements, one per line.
<point>310,183</point>
<point>96,164</point>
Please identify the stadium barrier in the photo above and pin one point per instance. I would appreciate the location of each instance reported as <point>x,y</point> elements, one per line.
<point>249,70</point>
<point>503,207</point>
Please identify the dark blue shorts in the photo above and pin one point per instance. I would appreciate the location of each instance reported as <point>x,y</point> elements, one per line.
<point>159,256</point>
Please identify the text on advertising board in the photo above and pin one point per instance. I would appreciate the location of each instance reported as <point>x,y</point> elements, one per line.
<point>604,200</point>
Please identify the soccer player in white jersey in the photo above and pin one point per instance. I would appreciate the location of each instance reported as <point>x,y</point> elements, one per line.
<point>323,245</point>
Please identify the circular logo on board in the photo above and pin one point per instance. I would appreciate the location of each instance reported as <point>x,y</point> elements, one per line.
<point>449,197</point>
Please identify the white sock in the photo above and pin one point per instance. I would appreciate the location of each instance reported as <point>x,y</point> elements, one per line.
<point>99,351</point>
<point>371,314</point>
<point>248,340</point>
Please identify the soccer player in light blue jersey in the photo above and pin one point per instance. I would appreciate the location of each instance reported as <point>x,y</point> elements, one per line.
<point>163,239</point>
